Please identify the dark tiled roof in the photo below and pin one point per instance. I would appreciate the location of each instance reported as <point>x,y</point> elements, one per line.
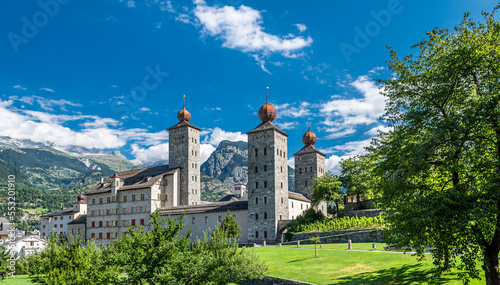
<point>66,211</point>
<point>4,220</point>
<point>266,126</point>
<point>205,208</point>
<point>182,124</point>
<point>82,219</point>
<point>309,149</point>
<point>6,226</point>
<point>226,198</point>
<point>297,196</point>
<point>134,179</point>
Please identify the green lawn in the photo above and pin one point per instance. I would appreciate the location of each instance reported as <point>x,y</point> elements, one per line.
<point>17,280</point>
<point>342,266</point>
<point>338,265</point>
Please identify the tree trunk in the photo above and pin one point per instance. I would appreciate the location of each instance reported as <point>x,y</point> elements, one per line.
<point>490,265</point>
<point>337,213</point>
<point>315,252</point>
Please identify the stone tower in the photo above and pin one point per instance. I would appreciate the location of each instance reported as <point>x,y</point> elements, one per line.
<point>184,152</point>
<point>309,163</point>
<point>267,178</point>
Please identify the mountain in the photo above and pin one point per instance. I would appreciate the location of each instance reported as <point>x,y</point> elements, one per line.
<point>226,166</point>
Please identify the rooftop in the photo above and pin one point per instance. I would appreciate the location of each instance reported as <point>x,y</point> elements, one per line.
<point>134,179</point>
<point>309,149</point>
<point>205,208</point>
<point>267,126</point>
<point>82,219</point>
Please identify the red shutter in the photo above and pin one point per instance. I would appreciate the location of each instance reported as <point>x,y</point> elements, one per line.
<point>108,235</point>
<point>93,235</point>
<point>133,222</point>
<point>100,224</point>
<point>93,224</point>
<point>142,222</point>
<point>100,235</point>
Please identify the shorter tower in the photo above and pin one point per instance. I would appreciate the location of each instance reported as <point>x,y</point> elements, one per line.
<point>309,163</point>
<point>184,153</point>
<point>267,178</point>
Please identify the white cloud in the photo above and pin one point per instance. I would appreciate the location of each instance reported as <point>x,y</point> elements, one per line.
<point>339,132</point>
<point>217,135</point>
<point>19,87</point>
<point>332,163</point>
<point>374,131</point>
<point>342,115</point>
<point>144,109</point>
<point>287,125</point>
<point>288,110</point>
<point>291,162</point>
<point>151,155</point>
<point>242,29</point>
<point>46,127</point>
<point>47,89</point>
<point>205,151</point>
<point>301,27</point>
<point>131,3</point>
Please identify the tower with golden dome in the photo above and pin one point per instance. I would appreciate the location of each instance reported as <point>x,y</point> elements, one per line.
<point>184,153</point>
<point>309,163</point>
<point>267,178</point>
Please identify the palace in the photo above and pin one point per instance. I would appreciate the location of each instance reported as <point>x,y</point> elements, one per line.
<point>262,208</point>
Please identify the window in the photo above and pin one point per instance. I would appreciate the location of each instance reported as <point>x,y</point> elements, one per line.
<point>206,219</point>
<point>93,201</point>
<point>133,197</point>
<point>265,200</point>
<point>100,224</point>
<point>256,200</point>
<point>256,152</point>
<point>93,235</point>
<point>55,226</point>
<point>44,226</point>
<point>280,217</point>
<point>281,185</point>
<point>256,216</point>
<point>265,234</point>
<point>282,169</point>
<point>100,200</point>
<point>93,224</point>
<point>100,212</point>
<point>265,216</point>
<point>281,153</point>
<point>301,206</point>
<point>133,222</point>
<point>108,199</point>
<point>220,218</point>
<point>193,220</point>
<point>281,200</point>
<point>292,204</point>
<point>108,235</point>
<point>100,235</point>
<point>265,185</point>
<point>277,152</point>
<point>306,183</point>
<point>265,151</point>
<point>256,234</point>
<point>124,210</point>
<point>256,184</point>
<point>93,213</point>
<point>79,231</point>
<point>311,169</point>
<point>61,225</point>
<point>265,167</point>
<point>124,198</point>
<point>142,197</point>
<point>124,222</point>
<point>55,218</point>
<point>142,222</point>
<point>256,169</point>
<point>300,170</point>
<point>192,152</point>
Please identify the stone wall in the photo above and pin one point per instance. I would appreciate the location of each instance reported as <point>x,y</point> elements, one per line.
<point>364,235</point>
<point>360,213</point>
<point>352,206</point>
<point>269,280</point>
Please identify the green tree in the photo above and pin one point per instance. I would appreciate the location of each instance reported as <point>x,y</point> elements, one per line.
<point>164,256</point>
<point>316,240</point>
<point>357,176</point>
<point>327,188</point>
<point>440,166</point>
<point>230,226</point>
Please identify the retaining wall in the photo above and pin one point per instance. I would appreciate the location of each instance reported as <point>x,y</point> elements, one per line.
<point>370,235</point>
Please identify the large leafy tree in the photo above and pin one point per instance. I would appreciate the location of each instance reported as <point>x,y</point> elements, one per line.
<point>230,226</point>
<point>441,163</point>
<point>357,177</point>
<point>327,188</point>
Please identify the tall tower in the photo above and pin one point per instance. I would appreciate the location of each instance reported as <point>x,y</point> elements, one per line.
<point>267,177</point>
<point>309,163</point>
<point>184,152</point>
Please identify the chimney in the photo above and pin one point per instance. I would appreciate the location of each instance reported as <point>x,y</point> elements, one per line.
<point>115,184</point>
<point>102,180</point>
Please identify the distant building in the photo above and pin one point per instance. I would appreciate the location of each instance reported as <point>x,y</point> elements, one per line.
<point>26,245</point>
<point>5,227</point>
<point>57,222</point>
<point>77,229</point>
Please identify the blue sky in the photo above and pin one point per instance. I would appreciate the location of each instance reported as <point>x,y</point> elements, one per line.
<point>110,74</point>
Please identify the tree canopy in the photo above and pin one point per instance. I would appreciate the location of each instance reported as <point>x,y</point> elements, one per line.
<point>230,226</point>
<point>327,188</point>
<point>440,165</point>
